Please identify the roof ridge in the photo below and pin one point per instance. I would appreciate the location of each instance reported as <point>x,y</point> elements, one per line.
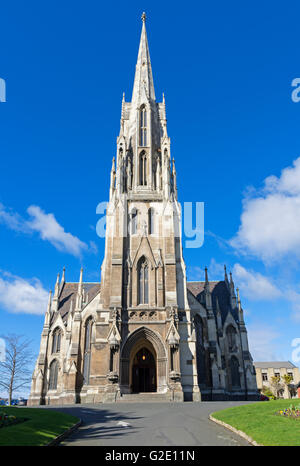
<point>203,281</point>
<point>274,362</point>
<point>76,283</point>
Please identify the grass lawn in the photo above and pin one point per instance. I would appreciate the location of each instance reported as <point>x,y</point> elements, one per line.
<point>42,426</point>
<point>258,420</point>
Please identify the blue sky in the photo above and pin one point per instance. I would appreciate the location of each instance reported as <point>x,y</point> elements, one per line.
<point>226,69</point>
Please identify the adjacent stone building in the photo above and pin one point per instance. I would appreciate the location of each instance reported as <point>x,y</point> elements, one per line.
<point>143,328</point>
<point>266,370</point>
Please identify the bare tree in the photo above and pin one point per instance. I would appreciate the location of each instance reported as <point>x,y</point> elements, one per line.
<point>16,369</point>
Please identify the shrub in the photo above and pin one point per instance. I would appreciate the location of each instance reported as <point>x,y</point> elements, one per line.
<point>6,420</point>
<point>266,391</point>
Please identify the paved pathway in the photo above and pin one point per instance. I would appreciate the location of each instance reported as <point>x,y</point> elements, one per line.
<point>157,424</point>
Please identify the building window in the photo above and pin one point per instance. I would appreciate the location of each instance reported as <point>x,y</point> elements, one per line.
<point>53,375</point>
<point>198,329</point>
<point>231,338</point>
<point>143,168</point>
<point>200,351</point>
<point>290,374</point>
<point>143,281</point>
<point>151,221</point>
<point>133,221</point>
<point>235,373</point>
<point>87,351</point>
<point>277,374</point>
<point>56,340</point>
<point>264,377</point>
<point>143,127</point>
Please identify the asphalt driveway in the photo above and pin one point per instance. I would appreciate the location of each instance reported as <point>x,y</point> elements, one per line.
<point>150,424</point>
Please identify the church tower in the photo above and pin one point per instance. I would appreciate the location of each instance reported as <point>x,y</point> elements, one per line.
<point>143,331</point>
<point>143,272</point>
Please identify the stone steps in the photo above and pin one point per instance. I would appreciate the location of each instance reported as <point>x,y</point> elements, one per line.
<point>144,398</point>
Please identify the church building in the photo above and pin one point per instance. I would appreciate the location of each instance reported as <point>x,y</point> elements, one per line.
<point>144,331</point>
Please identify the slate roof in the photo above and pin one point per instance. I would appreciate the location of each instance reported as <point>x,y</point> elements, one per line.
<point>219,290</point>
<point>69,292</point>
<point>274,365</point>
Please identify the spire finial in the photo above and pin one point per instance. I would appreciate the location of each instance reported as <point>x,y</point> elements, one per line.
<point>206,275</point>
<point>239,299</point>
<point>225,273</point>
<point>143,80</point>
<point>49,301</point>
<point>241,316</point>
<point>80,281</point>
<point>48,312</point>
<point>144,17</point>
<point>56,289</point>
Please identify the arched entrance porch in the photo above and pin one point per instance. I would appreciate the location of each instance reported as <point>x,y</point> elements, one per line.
<point>148,374</point>
<point>143,371</point>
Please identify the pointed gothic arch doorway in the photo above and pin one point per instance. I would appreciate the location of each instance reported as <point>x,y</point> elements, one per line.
<point>143,375</point>
<point>143,371</point>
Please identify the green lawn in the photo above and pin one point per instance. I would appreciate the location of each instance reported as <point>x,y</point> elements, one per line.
<point>42,426</point>
<point>258,420</point>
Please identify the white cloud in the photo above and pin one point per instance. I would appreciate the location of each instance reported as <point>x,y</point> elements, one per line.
<point>18,295</point>
<point>288,182</point>
<point>195,273</point>
<point>93,248</point>
<point>294,299</point>
<point>270,221</point>
<point>254,285</point>
<point>215,270</point>
<point>48,228</point>
<point>12,220</point>
<point>263,343</point>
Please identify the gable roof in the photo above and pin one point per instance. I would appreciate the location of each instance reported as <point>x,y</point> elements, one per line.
<point>219,290</point>
<point>274,365</point>
<point>68,294</point>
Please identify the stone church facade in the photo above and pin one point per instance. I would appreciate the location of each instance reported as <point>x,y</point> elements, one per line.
<point>144,328</point>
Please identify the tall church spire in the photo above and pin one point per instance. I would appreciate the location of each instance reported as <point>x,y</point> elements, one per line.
<point>143,147</point>
<point>143,80</point>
